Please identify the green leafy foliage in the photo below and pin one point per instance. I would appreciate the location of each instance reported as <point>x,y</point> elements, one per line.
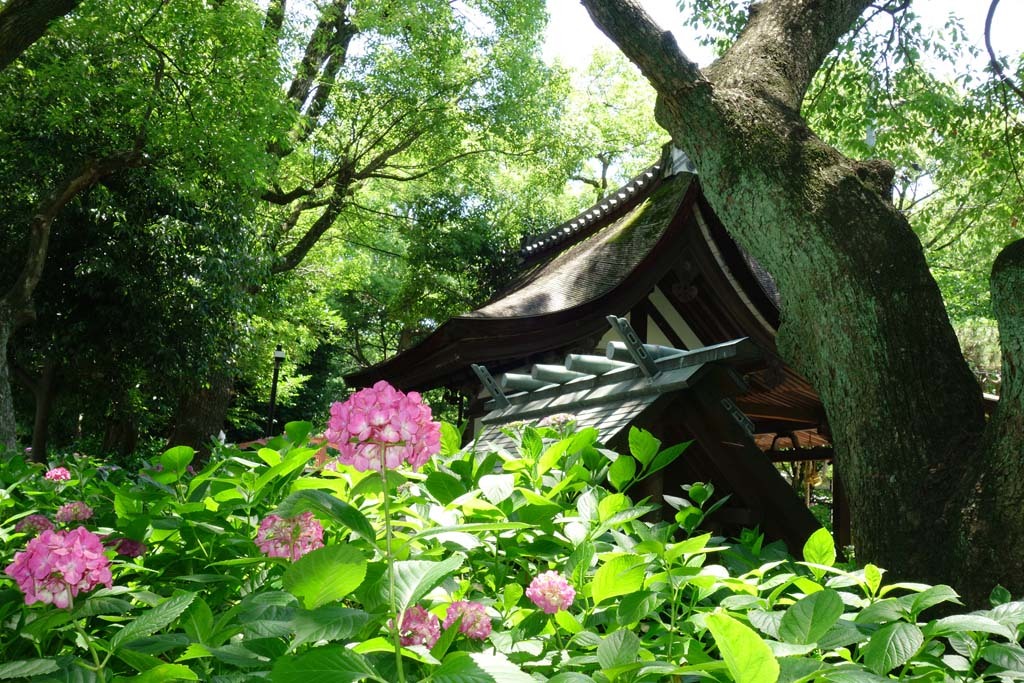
<point>652,599</point>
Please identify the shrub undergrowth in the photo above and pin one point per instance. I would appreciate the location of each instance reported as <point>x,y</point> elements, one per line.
<point>533,565</point>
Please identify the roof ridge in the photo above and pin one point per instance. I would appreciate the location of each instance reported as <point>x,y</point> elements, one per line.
<point>616,200</point>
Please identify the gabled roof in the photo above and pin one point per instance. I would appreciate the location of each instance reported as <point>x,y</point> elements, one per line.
<point>568,283</point>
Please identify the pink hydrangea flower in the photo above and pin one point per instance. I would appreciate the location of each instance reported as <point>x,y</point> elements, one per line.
<point>58,474</point>
<point>382,427</point>
<point>58,565</point>
<point>558,420</point>
<point>290,537</point>
<point>127,547</point>
<point>33,524</point>
<point>418,627</point>
<point>551,592</point>
<point>475,622</point>
<point>75,511</point>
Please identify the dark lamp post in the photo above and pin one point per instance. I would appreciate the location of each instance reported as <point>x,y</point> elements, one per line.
<point>278,359</point>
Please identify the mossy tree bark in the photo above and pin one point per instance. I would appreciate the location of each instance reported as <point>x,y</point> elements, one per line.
<point>863,319</point>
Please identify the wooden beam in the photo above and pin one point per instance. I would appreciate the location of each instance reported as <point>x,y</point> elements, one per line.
<point>802,454</point>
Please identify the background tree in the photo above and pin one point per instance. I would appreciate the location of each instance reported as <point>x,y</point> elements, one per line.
<point>115,86</point>
<point>934,490</point>
<point>608,127</point>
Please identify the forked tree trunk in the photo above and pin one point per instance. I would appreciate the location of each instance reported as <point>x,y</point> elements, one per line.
<point>16,303</point>
<point>862,318</point>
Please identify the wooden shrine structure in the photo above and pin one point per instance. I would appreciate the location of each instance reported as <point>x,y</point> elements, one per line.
<point>642,311</point>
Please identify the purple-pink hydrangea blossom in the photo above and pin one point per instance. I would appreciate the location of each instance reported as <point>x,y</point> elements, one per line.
<point>33,524</point>
<point>475,622</point>
<point>127,547</point>
<point>551,592</point>
<point>75,511</point>
<point>58,474</point>
<point>290,537</point>
<point>58,565</point>
<point>381,427</point>
<point>418,627</point>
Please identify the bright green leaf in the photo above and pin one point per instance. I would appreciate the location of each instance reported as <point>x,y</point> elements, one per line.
<point>619,648</point>
<point>478,667</point>
<point>329,664</point>
<point>618,576</point>
<point>325,575</point>
<point>745,653</point>
<point>621,473</point>
<point>820,548</point>
<point>416,578</point>
<point>320,501</point>
<point>811,617</point>
<point>892,646</point>
<point>451,440</point>
<point>643,445</point>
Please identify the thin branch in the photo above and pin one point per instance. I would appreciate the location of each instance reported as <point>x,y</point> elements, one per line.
<point>992,59</point>
<point>958,235</point>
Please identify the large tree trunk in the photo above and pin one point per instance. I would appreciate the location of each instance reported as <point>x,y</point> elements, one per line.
<point>44,394</point>
<point>862,317</point>
<point>201,413</point>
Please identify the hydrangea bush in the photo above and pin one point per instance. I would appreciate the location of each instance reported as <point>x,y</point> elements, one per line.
<point>269,564</point>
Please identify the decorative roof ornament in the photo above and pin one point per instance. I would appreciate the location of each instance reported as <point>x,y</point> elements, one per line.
<point>678,162</point>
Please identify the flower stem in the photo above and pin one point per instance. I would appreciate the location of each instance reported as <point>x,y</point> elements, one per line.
<point>396,624</point>
<point>558,636</point>
<point>88,642</point>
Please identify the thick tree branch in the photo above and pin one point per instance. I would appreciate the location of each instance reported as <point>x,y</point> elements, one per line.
<point>651,48</point>
<point>23,22</point>
<point>1007,284</point>
<point>275,17</point>
<point>298,251</point>
<point>333,32</point>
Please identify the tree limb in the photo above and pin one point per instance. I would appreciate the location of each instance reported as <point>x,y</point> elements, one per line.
<point>275,17</point>
<point>23,22</point>
<point>333,29</point>
<point>295,255</point>
<point>19,296</point>
<point>651,48</point>
<point>783,45</point>
<point>993,61</point>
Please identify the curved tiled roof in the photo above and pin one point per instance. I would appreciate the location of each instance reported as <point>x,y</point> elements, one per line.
<point>533,246</point>
<point>595,264</point>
